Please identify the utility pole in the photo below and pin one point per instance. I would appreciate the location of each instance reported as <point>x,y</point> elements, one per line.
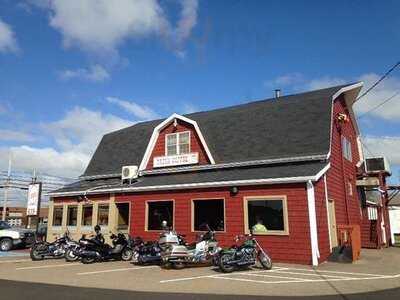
<point>6,189</point>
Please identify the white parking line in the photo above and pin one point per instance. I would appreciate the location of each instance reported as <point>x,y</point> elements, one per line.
<point>336,272</point>
<point>47,266</point>
<point>115,270</point>
<point>277,276</point>
<point>308,274</point>
<point>212,276</point>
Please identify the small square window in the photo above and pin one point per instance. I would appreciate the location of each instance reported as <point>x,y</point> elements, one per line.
<point>177,143</point>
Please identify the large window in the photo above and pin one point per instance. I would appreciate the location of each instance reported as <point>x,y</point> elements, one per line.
<point>266,215</point>
<point>346,148</point>
<point>159,211</point>
<point>57,216</point>
<point>208,212</point>
<point>102,215</point>
<point>87,215</point>
<point>72,215</point>
<point>123,215</point>
<point>177,143</point>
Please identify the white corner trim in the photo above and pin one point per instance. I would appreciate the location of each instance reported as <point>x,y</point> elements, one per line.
<point>156,132</point>
<point>313,223</point>
<point>327,213</point>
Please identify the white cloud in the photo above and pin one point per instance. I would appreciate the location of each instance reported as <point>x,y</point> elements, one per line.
<point>75,137</point>
<point>8,42</point>
<point>16,136</point>
<point>3,109</point>
<point>386,89</point>
<point>388,146</point>
<point>325,82</point>
<point>95,73</point>
<point>101,26</point>
<point>291,79</point>
<point>141,112</point>
<point>189,108</point>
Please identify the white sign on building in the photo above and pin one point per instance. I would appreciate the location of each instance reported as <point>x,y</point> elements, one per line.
<point>33,199</point>
<point>176,160</point>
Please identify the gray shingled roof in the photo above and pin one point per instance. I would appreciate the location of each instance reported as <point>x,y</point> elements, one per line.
<point>295,125</point>
<point>215,175</point>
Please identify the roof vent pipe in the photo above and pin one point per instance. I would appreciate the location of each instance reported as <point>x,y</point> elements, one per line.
<point>277,93</point>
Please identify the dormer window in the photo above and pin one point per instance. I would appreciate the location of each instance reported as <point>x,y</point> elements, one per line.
<point>177,143</point>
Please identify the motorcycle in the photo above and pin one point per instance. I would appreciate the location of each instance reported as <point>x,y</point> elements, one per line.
<point>72,251</point>
<point>181,254</point>
<point>148,252</point>
<point>56,249</point>
<point>93,250</point>
<point>245,255</point>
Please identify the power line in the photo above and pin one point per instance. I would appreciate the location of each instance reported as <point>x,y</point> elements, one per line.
<point>379,105</point>
<point>379,81</point>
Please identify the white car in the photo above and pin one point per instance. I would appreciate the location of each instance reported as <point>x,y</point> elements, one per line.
<point>13,236</point>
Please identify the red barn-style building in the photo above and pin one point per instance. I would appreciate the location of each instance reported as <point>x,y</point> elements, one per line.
<point>288,164</point>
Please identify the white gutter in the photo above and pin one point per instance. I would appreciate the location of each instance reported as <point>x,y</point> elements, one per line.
<point>272,161</point>
<point>313,223</point>
<point>110,189</point>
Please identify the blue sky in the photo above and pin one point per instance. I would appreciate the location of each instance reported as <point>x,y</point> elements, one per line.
<point>72,70</point>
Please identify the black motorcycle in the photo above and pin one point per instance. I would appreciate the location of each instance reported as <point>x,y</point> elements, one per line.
<point>245,255</point>
<point>56,249</point>
<point>147,252</point>
<point>95,249</point>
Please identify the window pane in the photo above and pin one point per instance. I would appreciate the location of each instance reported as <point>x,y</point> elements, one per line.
<point>102,215</point>
<point>171,139</point>
<point>159,211</point>
<point>72,215</point>
<point>265,215</point>
<point>87,213</point>
<point>57,216</point>
<point>171,150</point>
<point>184,138</point>
<point>184,149</point>
<point>123,215</point>
<point>209,212</point>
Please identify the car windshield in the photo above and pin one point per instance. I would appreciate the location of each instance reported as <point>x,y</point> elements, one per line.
<point>4,225</point>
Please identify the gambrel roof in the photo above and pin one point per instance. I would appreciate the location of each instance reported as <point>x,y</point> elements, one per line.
<point>275,133</point>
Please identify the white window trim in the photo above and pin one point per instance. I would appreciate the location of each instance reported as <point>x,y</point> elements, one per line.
<point>178,150</point>
<point>282,198</point>
<point>346,148</point>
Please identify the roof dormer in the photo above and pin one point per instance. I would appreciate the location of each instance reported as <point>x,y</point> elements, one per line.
<point>176,142</point>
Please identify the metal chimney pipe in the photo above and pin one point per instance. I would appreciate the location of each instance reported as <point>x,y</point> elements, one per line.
<point>277,93</point>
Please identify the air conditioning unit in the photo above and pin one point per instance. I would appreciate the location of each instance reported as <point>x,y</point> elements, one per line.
<point>129,172</point>
<point>376,165</point>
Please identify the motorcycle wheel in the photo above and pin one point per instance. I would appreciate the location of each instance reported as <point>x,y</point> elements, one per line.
<point>87,260</point>
<point>127,254</point>
<point>264,260</point>
<point>178,265</point>
<point>35,254</point>
<point>70,256</point>
<point>226,268</point>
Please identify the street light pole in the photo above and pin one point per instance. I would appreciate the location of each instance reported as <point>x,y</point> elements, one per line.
<point>6,189</point>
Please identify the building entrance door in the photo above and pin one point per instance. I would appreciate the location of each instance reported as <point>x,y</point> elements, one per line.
<point>332,223</point>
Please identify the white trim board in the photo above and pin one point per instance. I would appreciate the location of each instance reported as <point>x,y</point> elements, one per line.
<point>161,126</point>
<point>313,223</point>
<point>109,189</point>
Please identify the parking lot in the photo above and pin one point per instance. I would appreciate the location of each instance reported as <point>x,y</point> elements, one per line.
<point>377,271</point>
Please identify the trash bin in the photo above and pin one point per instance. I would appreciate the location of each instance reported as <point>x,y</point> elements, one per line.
<point>349,237</point>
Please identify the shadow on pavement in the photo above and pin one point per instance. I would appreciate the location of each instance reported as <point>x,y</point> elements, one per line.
<point>11,290</point>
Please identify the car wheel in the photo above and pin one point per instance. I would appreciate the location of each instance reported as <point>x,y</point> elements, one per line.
<point>6,244</point>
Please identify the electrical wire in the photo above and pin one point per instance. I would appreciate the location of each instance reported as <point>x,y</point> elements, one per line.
<point>379,80</point>
<point>379,105</point>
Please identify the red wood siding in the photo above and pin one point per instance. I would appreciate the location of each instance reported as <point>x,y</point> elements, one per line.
<point>195,143</point>
<point>322,220</point>
<point>294,248</point>
<point>343,171</point>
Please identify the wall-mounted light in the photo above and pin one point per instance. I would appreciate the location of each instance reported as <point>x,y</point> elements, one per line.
<point>234,190</point>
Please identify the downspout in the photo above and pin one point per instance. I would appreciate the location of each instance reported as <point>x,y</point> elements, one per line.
<point>313,223</point>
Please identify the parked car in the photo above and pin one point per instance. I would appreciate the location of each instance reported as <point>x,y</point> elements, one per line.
<point>14,236</point>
